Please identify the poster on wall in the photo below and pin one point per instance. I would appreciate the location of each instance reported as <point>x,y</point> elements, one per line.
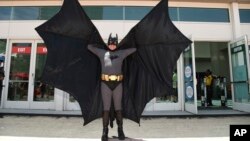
<point>189,91</point>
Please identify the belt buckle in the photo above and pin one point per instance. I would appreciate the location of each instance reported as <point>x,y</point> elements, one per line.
<point>113,77</point>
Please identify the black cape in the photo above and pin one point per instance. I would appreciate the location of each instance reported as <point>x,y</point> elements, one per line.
<point>148,72</point>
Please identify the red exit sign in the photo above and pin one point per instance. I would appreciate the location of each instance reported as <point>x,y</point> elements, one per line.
<point>27,50</point>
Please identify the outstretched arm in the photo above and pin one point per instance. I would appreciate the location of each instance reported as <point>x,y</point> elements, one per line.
<point>127,52</point>
<point>97,51</point>
<point>130,51</point>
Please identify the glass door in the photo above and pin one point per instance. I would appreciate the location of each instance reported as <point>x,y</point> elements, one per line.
<point>43,94</point>
<point>3,44</point>
<point>70,103</point>
<point>189,80</point>
<point>25,91</point>
<point>239,73</point>
<point>19,74</point>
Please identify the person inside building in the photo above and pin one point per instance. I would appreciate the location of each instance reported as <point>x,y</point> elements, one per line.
<point>175,92</point>
<point>42,87</point>
<point>1,81</point>
<point>111,84</point>
<point>209,81</point>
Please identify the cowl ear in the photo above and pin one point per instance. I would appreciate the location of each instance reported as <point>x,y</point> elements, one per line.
<point>110,35</point>
<point>116,39</point>
<point>109,39</point>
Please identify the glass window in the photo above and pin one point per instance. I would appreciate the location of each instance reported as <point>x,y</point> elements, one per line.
<point>204,14</point>
<point>136,12</point>
<point>48,12</point>
<point>104,12</point>
<point>245,15</point>
<point>173,13</point>
<point>5,13</point>
<point>2,46</point>
<point>94,12</point>
<point>131,13</point>
<point>25,13</point>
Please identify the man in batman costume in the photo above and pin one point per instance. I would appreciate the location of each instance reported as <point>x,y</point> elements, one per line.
<point>146,73</point>
<point>111,86</point>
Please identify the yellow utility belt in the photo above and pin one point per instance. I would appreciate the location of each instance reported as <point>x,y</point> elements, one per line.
<point>106,77</point>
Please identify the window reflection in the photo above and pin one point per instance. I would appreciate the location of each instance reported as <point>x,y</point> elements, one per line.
<point>244,15</point>
<point>25,13</point>
<point>190,14</point>
<point>204,14</point>
<point>104,12</point>
<point>72,99</point>
<point>173,13</point>
<point>136,13</point>
<point>173,98</point>
<point>42,92</point>
<point>5,13</point>
<point>48,12</point>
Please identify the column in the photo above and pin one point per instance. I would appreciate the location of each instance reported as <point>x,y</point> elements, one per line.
<point>235,19</point>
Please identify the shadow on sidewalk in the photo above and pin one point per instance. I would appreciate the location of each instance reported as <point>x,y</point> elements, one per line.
<point>126,139</point>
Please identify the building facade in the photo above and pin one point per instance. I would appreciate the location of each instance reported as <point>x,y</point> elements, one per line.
<point>219,29</point>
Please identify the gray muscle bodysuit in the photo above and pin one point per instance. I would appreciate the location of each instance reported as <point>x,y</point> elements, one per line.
<point>111,62</point>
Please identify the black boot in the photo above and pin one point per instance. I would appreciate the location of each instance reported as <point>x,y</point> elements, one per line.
<point>119,122</point>
<point>105,121</point>
<point>105,134</point>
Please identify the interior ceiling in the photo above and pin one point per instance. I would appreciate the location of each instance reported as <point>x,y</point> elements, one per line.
<point>211,1</point>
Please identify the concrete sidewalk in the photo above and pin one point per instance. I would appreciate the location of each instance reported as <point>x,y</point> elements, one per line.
<point>6,138</point>
<point>38,128</point>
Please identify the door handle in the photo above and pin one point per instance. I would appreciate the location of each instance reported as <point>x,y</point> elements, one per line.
<point>33,77</point>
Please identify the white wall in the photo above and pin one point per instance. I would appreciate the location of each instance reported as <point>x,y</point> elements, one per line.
<point>19,29</point>
<point>245,30</point>
<point>207,31</point>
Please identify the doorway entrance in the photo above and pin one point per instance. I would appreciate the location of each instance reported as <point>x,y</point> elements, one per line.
<point>213,57</point>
